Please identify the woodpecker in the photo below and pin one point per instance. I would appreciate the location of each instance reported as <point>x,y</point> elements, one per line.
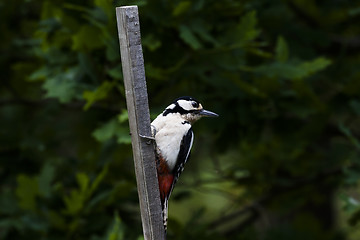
<point>173,134</point>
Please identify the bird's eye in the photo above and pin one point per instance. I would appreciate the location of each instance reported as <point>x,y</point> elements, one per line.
<point>195,104</point>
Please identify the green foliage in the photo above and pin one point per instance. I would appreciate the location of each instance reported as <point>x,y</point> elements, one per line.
<point>62,86</point>
<point>293,71</point>
<point>100,93</point>
<point>26,192</point>
<point>281,162</point>
<point>281,50</point>
<point>246,30</point>
<point>188,37</point>
<point>75,202</point>
<point>116,231</point>
<point>114,128</point>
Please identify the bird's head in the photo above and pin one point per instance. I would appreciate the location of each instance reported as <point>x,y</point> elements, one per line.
<point>189,109</point>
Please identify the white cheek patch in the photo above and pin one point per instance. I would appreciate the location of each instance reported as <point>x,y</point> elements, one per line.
<point>186,105</point>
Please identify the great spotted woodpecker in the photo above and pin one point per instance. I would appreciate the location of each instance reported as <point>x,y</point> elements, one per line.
<point>174,137</point>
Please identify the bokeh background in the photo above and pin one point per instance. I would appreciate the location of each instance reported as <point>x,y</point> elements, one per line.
<point>281,161</point>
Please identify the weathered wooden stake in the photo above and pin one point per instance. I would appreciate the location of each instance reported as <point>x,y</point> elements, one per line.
<point>139,120</point>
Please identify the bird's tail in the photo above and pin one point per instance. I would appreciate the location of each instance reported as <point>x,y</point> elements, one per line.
<point>165,213</point>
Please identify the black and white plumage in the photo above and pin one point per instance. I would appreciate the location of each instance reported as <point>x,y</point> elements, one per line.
<point>174,137</point>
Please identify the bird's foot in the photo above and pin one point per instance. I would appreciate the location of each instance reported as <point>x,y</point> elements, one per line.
<point>147,137</point>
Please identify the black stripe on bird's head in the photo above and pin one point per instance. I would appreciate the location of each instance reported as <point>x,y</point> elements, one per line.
<point>189,108</point>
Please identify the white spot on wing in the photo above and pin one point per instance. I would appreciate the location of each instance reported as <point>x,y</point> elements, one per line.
<point>191,143</point>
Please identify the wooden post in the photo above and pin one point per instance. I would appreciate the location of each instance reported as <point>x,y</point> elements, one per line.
<point>139,120</point>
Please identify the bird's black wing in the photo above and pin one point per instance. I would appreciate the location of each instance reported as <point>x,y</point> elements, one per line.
<point>184,154</point>
<point>183,157</point>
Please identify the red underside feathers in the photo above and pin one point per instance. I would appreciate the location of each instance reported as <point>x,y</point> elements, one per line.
<point>165,182</point>
<point>165,178</point>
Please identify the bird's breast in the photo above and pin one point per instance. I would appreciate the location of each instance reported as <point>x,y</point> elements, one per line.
<point>168,137</point>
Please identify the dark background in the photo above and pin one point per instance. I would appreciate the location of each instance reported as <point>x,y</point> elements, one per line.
<point>281,161</point>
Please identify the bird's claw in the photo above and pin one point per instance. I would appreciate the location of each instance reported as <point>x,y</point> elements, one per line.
<point>147,137</point>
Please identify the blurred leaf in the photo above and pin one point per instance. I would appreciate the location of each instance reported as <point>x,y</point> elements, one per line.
<point>98,179</point>
<point>351,176</point>
<point>106,6</point>
<point>154,72</point>
<point>112,50</point>
<point>354,11</point>
<point>56,219</point>
<point>260,52</point>
<point>40,74</point>
<point>123,116</point>
<point>8,202</point>
<point>347,132</point>
<point>116,72</point>
<point>311,67</point>
<point>83,181</point>
<point>151,42</point>
<point>248,88</point>
<point>188,36</point>
<point>350,204</point>
<point>26,191</point>
<point>181,8</point>
<point>45,178</point>
<point>62,86</point>
<point>100,93</point>
<point>78,198</point>
<point>116,232</point>
<point>86,67</point>
<point>355,105</point>
<point>123,188</point>
<point>7,225</point>
<point>35,223</point>
<point>293,71</point>
<point>123,136</point>
<point>247,28</point>
<point>282,51</point>
<point>201,29</point>
<point>355,218</point>
<point>106,131</point>
<point>74,202</point>
<point>50,10</point>
<point>113,128</point>
<point>87,38</point>
<point>98,199</point>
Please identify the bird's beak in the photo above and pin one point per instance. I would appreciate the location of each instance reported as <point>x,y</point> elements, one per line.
<point>207,113</point>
